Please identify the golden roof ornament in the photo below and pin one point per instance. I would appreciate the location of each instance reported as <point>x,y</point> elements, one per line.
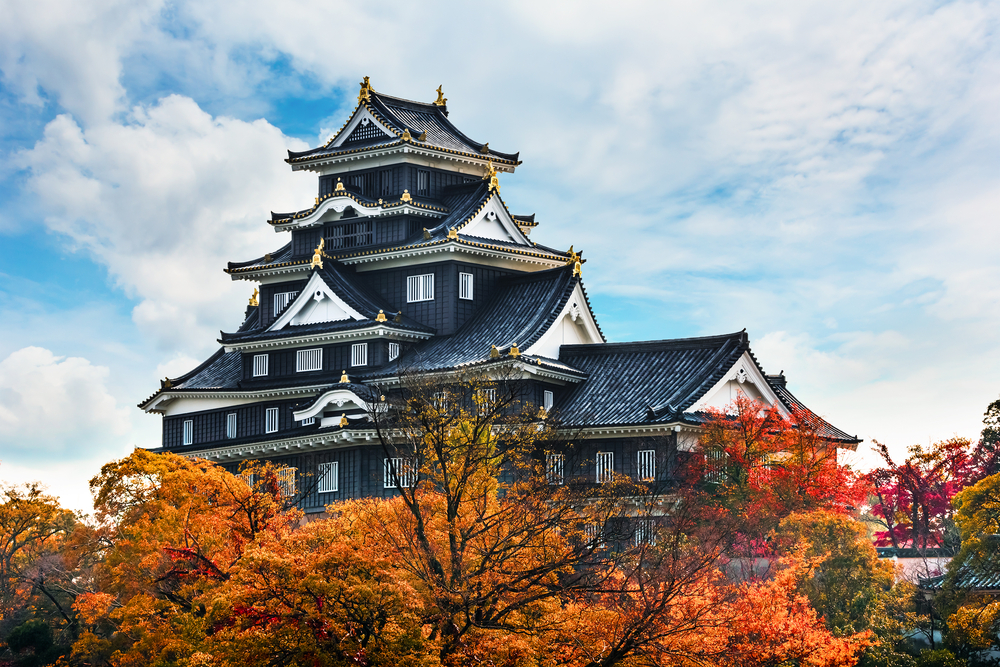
<point>427,234</point>
<point>494,352</point>
<point>453,234</point>
<point>577,269</point>
<point>343,378</point>
<point>422,137</point>
<point>343,420</point>
<point>317,260</point>
<point>380,317</point>
<point>317,202</point>
<point>514,352</point>
<point>491,176</point>
<point>485,148</point>
<point>340,186</point>
<point>441,100</point>
<point>166,384</point>
<point>405,196</point>
<point>253,299</point>
<point>399,317</point>
<point>406,135</point>
<point>366,91</point>
<point>267,258</point>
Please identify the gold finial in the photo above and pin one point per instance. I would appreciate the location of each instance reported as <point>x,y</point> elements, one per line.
<point>514,352</point>
<point>343,420</point>
<point>441,100</point>
<point>317,202</point>
<point>494,352</point>
<point>573,256</point>
<point>406,135</point>
<point>453,233</point>
<point>380,317</point>
<point>539,361</point>
<point>317,260</point>
<point>366,91</point>
<point>427,234</point>
<point>491,176</point>
<point>576,269</point>
<point>253,299</point>
<point>406,196</point>
<point>422,137</point>
<point>267,258</point>
<point>485,148</point>
<point>340,186</point>
<point>166,384</point>
<point>399,317</point>
<point>343,378</point>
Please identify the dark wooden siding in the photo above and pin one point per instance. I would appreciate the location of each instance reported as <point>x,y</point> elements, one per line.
<point>401,177</point>
<point>210,425</point>
<point>267,292</point>
<point>336,358</point>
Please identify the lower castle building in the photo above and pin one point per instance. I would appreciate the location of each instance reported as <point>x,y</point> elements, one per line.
<point>410,261</point>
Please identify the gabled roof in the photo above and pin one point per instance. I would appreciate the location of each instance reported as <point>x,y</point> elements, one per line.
<point>823,428</point>
<point>418,119</point>
<point>648,382</point>
<point>520,311</point>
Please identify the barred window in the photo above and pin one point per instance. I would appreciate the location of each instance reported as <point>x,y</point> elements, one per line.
<point>271,420</point>
<point>231,425</point>
<point>328,477</point>
<point>645,532</point>
<point>465,286</point>
<point>393,351</point>
<point>281,300</point>
<point>420,288</point>
<point>547,400</point>
<point>605,467</point>
<point>259,365</point>
<point>309,422</point>
<point>401,470</point>
<point>646,465</point>
<point>309,360</point>
<point>359,354</point>
<point>555,467</point>
<point>188,431</point>
<point>715,465</point>
<point>386,182</point>
<point>286,481</point>
<point>423,183</point>
<point>440,400</point>
<point>352,234</point>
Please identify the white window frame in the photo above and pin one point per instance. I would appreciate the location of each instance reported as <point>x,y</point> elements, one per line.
<point>420,288</point>
<point>547,399</point>
<point>393,351</point>
<point>465,285</point>
<point>309,421</point>
<point>329,477</point>
<point>282,299</point>
<point>231,425</point>
<point>260,365</point>
<point>314,355</point>
<point>645,465</point>
<point>604,467</point>
<point>271,420</point>
<point>187,437</point>
<point>440,401</point>
<point>555,469</point>
<point>286,481</point>
<point>359,354</point>
<point>645,532</point>
<point>405,470</point>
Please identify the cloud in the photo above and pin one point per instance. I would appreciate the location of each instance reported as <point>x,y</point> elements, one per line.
<point>56,405</point>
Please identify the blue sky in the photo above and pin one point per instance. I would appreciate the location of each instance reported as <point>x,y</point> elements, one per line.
<point>823,174</point>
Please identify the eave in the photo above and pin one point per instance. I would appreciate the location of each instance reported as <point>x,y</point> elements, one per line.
<point>313,162</point>
<point>163,396</point>
<point>369,332</point>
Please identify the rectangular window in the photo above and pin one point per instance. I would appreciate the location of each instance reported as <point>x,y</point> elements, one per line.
<point>328,477</point>
<point>399,469</point>
<point>645,532</point>
<point>485,398</point>
<point>715,465</point>
<point>420,288</point>
<point>188,431</point>
<point>440,400</point>
<point>605,467</point>
<point>286,481</point>
<point>555,467</point>
<point>271,420</point>
<point>393,351</point>
<point>386,182</point>
<point>359,354</point>
<point>259,365</point>
<point>352,235</point>
<point>595,535</point>
<point>281,301</point>
<point>309,422</point>
<point>646,465</point>
<point>231,425</point>
<point>423,183</point>
<point>547,400</point>
<point>465,286</point>
<point>309,360</point>
<point>248,478</point>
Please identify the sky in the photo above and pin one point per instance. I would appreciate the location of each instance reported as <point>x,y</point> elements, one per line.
<point>826,175</point>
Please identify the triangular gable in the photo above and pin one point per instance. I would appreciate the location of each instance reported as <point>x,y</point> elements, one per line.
<point>743,377</point>
<point>362,127</point>
<point>575,325</point>
<point>494,222</point>
<point>316,303</point>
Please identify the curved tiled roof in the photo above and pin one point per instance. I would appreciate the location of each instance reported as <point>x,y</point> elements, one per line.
<point>823,428</point>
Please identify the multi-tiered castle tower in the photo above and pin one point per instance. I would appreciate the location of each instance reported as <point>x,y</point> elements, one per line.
<point>410,259</point>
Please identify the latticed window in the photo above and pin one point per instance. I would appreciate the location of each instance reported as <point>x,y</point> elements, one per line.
<point>440,400</point>
<point>271,420</point>
<point>420,288</point>
<point>259,365</point>
<point>188,431</point>
<point>645,532</point>
<point>393,351</point>
<point>352,234</point>
<point>365,184</point>
<point>365,131</point>
<point>359,354</point>
<point>646,465</point>
<point>555,468</point>
<point>423,183</point>
<point>605,469</point>
<point>399,469</point>
<point>309,421</point>
<point>329,477</point>
<point>385,183</point>
<point>465,286</point>
<point>231,425</point>
<point>715,465</point>
<point>282,299</point>
<point>286,481</point>
<point>309,360</point>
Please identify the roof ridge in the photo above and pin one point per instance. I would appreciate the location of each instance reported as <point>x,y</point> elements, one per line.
<point>669,343</point>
